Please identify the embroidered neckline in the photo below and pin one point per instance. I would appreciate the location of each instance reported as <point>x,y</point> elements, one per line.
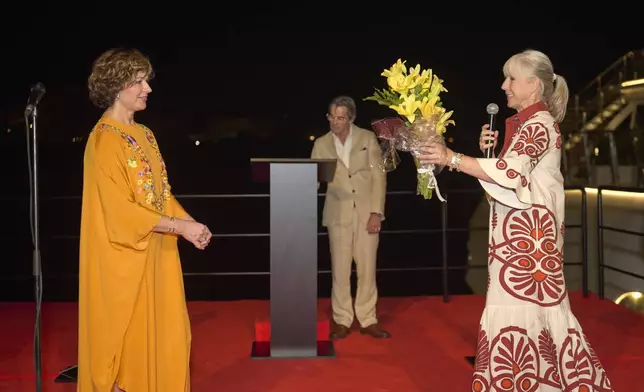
<point>145,176</point>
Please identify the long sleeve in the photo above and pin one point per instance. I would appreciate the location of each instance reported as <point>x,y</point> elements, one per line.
<point>133,325</point>
<point>177,209</point>
<point>378,177</point>
<point>513,173</point>
<point>128,223</point>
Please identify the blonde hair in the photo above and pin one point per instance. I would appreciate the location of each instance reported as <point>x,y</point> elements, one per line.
<point>554,89</point>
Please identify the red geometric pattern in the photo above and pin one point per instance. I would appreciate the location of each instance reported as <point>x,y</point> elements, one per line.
<point>502,165</point>
<point>548,351</point>
<point>480,382</point>
<point>529,341</point>
<point>512,174</point>
<point>532,140</point>
<point>580,366</point>
<point>514,362</point>
<point>531,257</point>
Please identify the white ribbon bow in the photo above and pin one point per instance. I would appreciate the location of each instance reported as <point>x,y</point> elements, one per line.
<point>432,183</point>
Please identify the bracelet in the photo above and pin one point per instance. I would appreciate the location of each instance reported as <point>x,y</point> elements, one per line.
<point>171,227</point>
<point>455,162</point>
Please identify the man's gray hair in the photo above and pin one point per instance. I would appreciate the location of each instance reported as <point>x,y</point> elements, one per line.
<point>346,102</point>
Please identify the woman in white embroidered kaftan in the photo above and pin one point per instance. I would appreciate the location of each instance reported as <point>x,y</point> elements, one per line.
<point>529,340</point>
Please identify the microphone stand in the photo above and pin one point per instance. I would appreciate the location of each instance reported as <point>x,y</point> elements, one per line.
<point>32,113</point>
<point>492,109</point>
<point>489,152</point>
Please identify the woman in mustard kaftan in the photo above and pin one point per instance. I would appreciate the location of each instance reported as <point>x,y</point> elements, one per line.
<point>529,340</point>
<point>134,331</point>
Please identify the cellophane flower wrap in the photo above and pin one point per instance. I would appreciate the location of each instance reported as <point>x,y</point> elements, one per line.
<point>414,94</point>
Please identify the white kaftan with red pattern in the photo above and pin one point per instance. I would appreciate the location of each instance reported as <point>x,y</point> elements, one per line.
<point>529,340</point>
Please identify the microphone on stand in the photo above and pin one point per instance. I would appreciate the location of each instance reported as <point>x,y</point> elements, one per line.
<point>37,92</point>
<point>31,113</point>
<point>492,110</point>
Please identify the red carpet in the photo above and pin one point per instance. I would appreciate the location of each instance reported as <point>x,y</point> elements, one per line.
<point>426,353</point>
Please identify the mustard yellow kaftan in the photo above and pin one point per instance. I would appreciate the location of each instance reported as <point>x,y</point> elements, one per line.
<point>133,321</point>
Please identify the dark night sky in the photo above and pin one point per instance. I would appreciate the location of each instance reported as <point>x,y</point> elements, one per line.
<point>269,70</point>
<point>255,69</point>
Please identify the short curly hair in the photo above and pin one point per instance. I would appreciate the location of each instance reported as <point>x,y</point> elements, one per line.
<point>113,71</point>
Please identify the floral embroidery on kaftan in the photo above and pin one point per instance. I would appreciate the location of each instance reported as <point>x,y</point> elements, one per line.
<point>145,184</point>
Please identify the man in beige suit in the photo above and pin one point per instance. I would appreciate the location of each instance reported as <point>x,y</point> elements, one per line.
<point>353,212</point>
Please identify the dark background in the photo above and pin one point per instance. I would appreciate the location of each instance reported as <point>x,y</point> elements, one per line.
<point>256,86</point>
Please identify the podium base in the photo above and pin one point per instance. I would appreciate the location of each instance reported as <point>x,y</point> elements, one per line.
<point>471,360</point>
<point>68,375</point>
<point>262,350</point>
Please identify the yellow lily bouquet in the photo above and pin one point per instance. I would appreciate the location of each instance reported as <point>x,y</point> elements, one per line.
<point>415,95</point>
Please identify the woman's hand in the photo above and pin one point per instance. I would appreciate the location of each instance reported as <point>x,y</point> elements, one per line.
<point>195,232</point>
<point>488,138</point>
<point>435,153</point>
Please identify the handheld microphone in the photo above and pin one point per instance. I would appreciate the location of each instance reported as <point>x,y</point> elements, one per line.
<point>37,92</point>
<point>492,110</point>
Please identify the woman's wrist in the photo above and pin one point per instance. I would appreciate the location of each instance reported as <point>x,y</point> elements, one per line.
<point>454,161</point>
<point>180,226</point>
<point>172,225</point>
<point>448,157</point>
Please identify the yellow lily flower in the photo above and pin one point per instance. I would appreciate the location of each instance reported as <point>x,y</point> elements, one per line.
<point>437,86</point>
<point>397,68</point>
<point>415,71</point>
<point>407,107</point>
<point>401,83</point>
<point>443,122</point>
<point>428,106</point>
<point>425,79</point>
<point>414,93</point>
